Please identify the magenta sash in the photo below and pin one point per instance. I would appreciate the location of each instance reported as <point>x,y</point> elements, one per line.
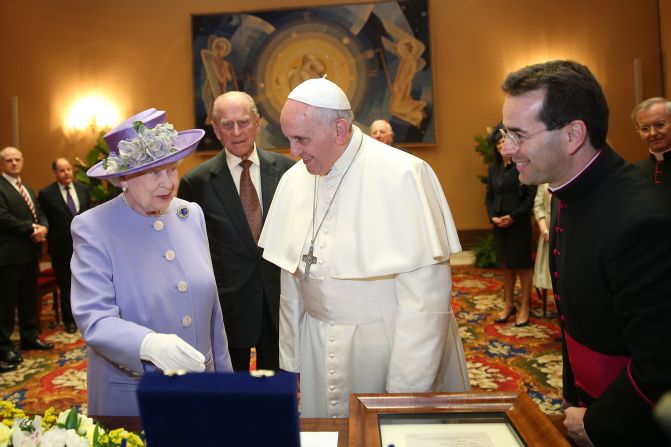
<point>593,371</point>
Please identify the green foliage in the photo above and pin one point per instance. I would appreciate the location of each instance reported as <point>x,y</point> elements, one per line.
<point>101,190</point>
<point>484,254</point>
<point>72,421</point>
<point>486,151</point>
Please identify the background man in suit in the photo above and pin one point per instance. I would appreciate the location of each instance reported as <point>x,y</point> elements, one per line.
<point>381,130</point>
<point>234,208</point>
<point>22,229</point>
<point>60,202</point>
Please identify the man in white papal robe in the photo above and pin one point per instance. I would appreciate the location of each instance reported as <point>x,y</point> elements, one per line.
<point>363,235</point>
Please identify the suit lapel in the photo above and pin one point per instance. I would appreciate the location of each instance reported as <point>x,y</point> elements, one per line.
<point>81,195</point>
<point>224,188</point>
<point>57,198</point>
<point>16,197</point>
<point>11,193</point>
<point>270,176</point>
<point>8,187</point>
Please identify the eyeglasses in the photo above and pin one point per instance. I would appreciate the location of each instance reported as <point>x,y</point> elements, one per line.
<point>230,125</point>
<point>658,126</point>
<point>518,140</point>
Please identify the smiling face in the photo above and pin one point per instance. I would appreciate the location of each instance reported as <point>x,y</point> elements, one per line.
<point>541,157</point>
<point>235,123</point>
<point>317,143</point>
<point>151,191</point>
<point>654,127</point>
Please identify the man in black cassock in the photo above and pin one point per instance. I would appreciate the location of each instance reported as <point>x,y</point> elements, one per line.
<point>609,259</point>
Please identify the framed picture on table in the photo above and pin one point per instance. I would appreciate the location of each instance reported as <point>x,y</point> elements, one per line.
<point>449,419</point>
<point>379,53</point>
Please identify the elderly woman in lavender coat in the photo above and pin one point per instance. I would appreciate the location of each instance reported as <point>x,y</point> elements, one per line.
<point>143,290</point>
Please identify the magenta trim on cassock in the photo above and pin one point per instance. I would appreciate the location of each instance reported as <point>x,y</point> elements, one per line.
<point>593,371</point>
<point>638,390</point>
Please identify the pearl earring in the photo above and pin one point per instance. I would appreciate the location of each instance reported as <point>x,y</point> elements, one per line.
<point>124,186</point>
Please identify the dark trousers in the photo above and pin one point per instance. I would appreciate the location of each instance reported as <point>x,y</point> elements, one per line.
<point>267,347</point>
<point>19,289</point>
<point>63,276</point>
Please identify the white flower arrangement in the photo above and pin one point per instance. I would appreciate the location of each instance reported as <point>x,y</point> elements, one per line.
<point>25,432</point>
<point>67,429</point>
<point>149,145</point>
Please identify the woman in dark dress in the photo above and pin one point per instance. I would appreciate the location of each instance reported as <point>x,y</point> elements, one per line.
<point>509,205</point>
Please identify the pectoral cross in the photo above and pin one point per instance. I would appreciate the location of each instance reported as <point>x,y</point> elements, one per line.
<point>309,259</point>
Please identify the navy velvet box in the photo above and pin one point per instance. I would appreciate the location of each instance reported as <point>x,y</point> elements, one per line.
<point>219,409</point>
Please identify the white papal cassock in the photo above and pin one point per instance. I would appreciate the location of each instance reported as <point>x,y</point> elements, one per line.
<point>374,314</point>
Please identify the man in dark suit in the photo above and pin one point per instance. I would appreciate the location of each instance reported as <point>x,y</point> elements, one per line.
<point>23,227</point>
<point>235,195</point>
<point>60,202</point>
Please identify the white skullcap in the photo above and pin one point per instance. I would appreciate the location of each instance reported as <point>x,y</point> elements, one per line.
<point>321,92</point>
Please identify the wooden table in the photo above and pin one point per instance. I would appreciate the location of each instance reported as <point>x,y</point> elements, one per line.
<point>340,425</point>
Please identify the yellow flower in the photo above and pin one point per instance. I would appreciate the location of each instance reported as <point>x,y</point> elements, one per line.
<point>132,440</point>
<point>49,419</point>
<point>9,412</point>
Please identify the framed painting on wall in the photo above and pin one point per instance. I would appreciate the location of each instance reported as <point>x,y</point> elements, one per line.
<point>378,53</point>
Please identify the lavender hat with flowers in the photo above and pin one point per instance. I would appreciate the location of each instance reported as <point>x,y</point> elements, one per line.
<point>142,142</point>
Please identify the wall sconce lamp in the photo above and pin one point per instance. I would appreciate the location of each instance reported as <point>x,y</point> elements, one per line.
<point>91,113</point>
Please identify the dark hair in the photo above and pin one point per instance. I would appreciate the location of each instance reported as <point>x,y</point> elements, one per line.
<point>571,93</point>
<point>492,139</point>
<point>53,163</point>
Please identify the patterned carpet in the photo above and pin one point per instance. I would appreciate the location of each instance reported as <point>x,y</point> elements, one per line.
<point>500,357</point>
<point>55,378</point>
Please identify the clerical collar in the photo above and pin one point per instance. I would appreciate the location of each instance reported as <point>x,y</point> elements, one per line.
<point>578,174</point>
<point>344,161</point>
<point>661,156</point>
<point>233,160</point>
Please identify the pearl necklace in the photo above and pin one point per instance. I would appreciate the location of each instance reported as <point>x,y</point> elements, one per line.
<point>158,224</point>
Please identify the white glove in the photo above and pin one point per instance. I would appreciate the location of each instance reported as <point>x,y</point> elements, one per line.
<point>169,352</point>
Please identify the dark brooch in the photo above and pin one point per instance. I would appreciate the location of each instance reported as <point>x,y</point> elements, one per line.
<point>182,212</point>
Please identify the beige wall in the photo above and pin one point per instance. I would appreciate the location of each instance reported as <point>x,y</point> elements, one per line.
<point>139,54</point>
<point>665,22</point>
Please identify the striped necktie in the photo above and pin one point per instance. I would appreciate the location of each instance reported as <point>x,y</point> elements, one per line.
<point>26,197</point>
